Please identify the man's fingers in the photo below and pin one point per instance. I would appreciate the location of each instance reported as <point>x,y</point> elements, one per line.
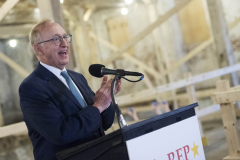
<point>104,81</point>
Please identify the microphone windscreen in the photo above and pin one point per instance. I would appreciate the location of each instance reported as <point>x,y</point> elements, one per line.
<point>95,70</point>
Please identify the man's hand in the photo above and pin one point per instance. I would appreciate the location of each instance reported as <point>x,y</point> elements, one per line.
<point>102,97</point>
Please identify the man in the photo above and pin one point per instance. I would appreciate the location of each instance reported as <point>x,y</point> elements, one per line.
<point>59,108</point>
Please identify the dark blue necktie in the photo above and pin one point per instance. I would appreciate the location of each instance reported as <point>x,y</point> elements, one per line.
<point>73,88</point>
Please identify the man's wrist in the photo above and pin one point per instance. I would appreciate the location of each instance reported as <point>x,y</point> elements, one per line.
<point>99,108</point>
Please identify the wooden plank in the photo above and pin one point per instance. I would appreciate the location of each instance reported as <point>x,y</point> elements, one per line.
<point>148,30</point>
<point>17,128</point>
<point>190,55</point>
<point>126,99</point>
<point>15,31</point>
<point>166,96</point>
<point>14,65</point>
<point>88,13</point>
<point>229,122</point>
<point>6,7</point>
<point>231,158</point>
<point>235,88</point>
<point>226,97</point>
<point>234,24</point>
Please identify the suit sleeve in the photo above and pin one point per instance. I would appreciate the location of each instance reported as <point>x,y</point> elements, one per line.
<point>107,115</point>
<point>44,117</point>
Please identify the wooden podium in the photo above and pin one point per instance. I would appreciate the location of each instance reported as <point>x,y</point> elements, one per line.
<point>170,136</point>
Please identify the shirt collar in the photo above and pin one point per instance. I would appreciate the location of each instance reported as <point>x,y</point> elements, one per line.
<point>54,70</point>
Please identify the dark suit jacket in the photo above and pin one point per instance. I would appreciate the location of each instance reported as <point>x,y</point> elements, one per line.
<point>54,118</point>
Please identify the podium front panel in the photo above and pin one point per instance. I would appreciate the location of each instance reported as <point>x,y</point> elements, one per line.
<point>172,136</point>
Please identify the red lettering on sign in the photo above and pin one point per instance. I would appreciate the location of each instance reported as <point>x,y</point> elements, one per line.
<point>186,152</point>
<point>178,154</point>
<point>169,156</point>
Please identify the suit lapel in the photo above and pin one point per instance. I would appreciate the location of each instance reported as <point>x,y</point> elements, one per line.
<point>57,84</point>
<point>82,88</point>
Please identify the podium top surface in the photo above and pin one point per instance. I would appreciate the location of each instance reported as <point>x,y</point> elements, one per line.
<point>157,122</point>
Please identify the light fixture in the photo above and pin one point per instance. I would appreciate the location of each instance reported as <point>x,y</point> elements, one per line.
<point>128,1</point>
<point>124,11</point>
<point>61,1</point>
<point>36,10</point>
<point>13,43</point>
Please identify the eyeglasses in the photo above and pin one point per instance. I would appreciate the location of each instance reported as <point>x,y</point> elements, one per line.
<point>58,40</point>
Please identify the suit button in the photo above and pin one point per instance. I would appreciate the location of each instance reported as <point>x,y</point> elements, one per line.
<point>96,134</point>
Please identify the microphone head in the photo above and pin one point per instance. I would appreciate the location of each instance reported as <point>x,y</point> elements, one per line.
<point>96,70</point>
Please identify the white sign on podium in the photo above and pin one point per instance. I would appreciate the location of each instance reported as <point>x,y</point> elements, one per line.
<point>179,141</point>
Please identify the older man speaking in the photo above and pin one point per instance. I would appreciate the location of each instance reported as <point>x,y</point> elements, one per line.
<point>59,108</point>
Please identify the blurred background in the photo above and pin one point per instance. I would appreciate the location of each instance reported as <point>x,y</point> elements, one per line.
<point>183,47</point>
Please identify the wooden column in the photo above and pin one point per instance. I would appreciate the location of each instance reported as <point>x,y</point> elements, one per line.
<point>222,41</point>
<point>155,35</point>
<point>229,123</point>
<point>51,9</point>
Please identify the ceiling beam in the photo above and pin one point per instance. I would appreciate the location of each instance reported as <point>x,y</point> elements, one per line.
<point>6,7</point>
<point>15,31</point>
<point>89,13</point>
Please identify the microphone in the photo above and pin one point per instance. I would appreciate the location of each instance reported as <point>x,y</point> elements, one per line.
<point>98,70</point>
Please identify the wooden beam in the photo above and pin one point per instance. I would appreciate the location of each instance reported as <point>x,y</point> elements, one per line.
<point>126,99</point>
<point>148,30</point>
<point>229,122</point>
<point>14,65</point>
<point>88,13</point>
<point>226,97</point>
<point>13,129</point>
<point>188,56</point>
<point>15,31</point>
<point>234,24</point>
<point>123,100</point>
<point>6,7</point>
<point>222,40</point>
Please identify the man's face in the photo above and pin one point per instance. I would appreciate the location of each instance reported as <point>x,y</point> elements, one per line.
<point>56,56</point>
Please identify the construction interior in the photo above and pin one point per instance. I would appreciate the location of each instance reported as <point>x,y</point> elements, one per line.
<point>188,51</point>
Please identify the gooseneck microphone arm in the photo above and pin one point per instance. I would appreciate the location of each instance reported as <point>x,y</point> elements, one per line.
<point>121,120</point>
